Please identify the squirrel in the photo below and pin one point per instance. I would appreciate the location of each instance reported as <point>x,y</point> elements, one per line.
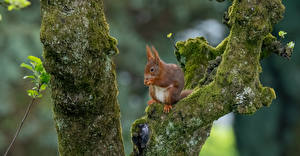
<point>165,81</point>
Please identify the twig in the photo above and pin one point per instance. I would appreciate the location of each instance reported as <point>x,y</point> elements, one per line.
<point>21,124</point>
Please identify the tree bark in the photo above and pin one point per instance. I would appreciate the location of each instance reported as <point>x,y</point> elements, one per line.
<point>233,86</point>
<point>78,54</point>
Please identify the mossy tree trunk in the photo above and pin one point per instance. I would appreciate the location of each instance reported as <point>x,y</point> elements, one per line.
<point>78,52</point>
<point>232,85</point>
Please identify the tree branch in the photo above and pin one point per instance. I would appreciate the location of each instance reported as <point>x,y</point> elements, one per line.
<point>234,88</point>
<point>272,45</point>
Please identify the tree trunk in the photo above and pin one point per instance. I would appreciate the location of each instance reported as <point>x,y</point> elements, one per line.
<point>78,54</point>
<point>233,86</point>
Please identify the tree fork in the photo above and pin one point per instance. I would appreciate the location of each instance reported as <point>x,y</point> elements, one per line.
<point>78,51</point>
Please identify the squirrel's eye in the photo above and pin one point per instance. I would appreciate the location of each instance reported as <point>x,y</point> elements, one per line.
<point>152,69</point>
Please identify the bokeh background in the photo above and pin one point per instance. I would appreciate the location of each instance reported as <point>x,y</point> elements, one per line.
<point>273,131</point>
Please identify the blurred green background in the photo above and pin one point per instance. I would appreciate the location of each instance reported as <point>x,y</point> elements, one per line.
<point>273,131</point>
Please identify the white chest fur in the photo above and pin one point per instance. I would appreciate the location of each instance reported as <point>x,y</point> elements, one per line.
<point>160,93</point>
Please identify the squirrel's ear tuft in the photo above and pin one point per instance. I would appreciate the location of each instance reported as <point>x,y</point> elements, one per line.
<point>149,53</point>
<point>156,56</point>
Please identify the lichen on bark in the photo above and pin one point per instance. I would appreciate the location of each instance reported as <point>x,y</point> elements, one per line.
<point>78,51</point>
<point>233,87</point>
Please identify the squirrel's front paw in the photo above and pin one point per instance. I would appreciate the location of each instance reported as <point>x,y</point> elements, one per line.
<point>167,108</point>
<point>149,82</point>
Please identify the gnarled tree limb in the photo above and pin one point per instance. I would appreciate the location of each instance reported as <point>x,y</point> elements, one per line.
<point>235,87</point>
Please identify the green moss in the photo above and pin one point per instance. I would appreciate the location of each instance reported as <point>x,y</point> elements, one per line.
<point>194,55</point>
<point>152,111</point>
<point>266,50</point>
<point>268,94</point>
<point>134,128</point>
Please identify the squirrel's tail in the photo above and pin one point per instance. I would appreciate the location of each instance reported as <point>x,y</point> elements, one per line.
<point>185,93</point>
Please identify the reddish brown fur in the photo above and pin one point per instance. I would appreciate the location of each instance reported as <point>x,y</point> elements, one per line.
<point>166,76</point>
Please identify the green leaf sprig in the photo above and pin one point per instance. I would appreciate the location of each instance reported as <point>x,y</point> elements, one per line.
<point>16,4</point>
<point>282,34</point>
<point>40,78</point>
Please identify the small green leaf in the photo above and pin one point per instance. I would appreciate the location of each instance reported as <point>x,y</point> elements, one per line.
<point>169,35</point>
<point>16,4</point>
<point>26,66</point>
<point>291,45</point>
<point>29,94</point>
<point>29,76</point>
<point>35,59</point>
<point>43,87</point>
<point>282,34</point>
<point>40,95</point>
<point>0,17</point>
<point>32,64</point>
<point>25,3</point>
<point>39,67</point>
<point>32,93</point>
<point>45,78</point>
<point>11,7</point>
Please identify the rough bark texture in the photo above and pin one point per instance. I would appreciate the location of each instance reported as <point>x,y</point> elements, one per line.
<point>233,86</point>
<point>77,52</point>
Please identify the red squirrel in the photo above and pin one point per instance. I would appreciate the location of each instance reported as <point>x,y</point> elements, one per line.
<point>165,81</point>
